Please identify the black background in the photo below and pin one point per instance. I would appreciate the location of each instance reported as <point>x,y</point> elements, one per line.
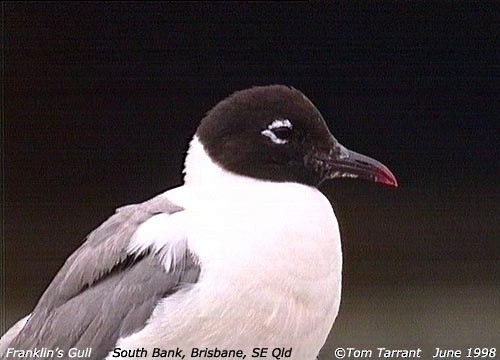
<point>101,99</point>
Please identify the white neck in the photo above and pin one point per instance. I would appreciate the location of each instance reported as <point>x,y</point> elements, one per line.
<point>207,182</point>
<point>201,171</point>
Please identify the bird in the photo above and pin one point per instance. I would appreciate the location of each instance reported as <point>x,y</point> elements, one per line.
<point>243,258</point>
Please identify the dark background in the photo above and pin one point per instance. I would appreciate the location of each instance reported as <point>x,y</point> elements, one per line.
<point>101,99</point>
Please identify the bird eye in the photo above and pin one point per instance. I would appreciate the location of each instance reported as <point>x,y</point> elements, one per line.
<point>283,133</point>
<point>279,131</point>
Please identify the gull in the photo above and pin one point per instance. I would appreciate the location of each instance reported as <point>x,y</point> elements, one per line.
<point>245,255</point>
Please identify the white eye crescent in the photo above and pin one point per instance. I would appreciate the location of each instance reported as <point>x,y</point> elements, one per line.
<point>279,131</point>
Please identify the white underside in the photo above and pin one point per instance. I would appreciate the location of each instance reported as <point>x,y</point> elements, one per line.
<point>271,266</point>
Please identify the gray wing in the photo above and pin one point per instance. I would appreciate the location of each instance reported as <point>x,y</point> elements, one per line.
<point>103,292</point>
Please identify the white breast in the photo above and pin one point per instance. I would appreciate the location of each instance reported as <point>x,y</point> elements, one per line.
<point>271,269</point>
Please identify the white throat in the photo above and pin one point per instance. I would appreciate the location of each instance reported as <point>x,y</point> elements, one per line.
<point>206,179</point>
<point>198,166</point>
<point>202,172</point>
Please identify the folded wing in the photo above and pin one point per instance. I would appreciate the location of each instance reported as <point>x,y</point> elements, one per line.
<point>108,288</point>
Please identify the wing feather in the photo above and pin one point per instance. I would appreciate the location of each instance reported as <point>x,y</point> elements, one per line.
<point>103,291</point>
